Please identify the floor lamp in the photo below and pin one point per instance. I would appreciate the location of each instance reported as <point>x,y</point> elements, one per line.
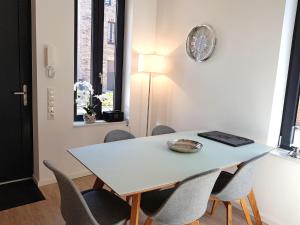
<point>151,64</point>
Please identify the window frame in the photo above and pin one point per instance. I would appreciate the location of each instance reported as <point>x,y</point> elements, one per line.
<point>292,89</point>
<point>97,52</point>
<point>112,30</point>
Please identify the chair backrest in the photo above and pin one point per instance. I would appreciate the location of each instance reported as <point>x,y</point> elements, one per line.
<point>162,129</point>
<point>74,209</point>
<point>242,182</point>
<point>118,135</point>
<point>189,201</point>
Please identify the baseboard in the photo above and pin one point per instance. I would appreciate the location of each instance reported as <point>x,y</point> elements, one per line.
<point>265,218</point>
<point>52,180</point>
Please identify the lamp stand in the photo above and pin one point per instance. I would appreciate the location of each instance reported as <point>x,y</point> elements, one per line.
<point>148,108</point>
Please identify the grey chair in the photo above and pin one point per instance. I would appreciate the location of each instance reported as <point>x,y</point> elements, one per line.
<point>117,135</point>
<point>231,187</point>
<point>184,204</point>
<point>89,207</point>
<point>162,129</point>
<point>114,135</point>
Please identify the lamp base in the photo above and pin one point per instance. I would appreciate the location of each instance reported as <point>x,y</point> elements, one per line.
<point>295,153</point>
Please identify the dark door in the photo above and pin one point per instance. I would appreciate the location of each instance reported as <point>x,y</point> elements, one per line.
<point>15,77</point>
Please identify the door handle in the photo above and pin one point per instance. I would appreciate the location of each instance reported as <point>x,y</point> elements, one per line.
<point>24,93</point>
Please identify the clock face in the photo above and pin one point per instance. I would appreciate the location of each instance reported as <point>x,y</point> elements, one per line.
<point>200,43</point>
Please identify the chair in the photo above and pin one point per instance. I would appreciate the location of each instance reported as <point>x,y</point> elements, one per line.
<point>114,135</point>
<point>184,204</point>
<point>162,129</point>
<point>230,187</point>
<point>90,207</point>
<point>117,135</point>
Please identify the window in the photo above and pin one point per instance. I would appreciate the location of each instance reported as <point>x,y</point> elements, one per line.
<point>291,114</point>
<point>98,55</point>
<point>108,2</point>
<point>111,33</point>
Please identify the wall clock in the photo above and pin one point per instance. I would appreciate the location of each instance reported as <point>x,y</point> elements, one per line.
<point>201,43</point>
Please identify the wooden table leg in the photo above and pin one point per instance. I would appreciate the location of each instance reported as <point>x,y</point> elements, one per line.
<point>255,210</point>
<point>98,184</point>
<point>228,206</point>
<point>135,209</point>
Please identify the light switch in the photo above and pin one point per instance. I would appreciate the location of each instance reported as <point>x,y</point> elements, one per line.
<point>50,103</point>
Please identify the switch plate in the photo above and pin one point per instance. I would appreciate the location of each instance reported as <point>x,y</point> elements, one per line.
<point>50,103</point>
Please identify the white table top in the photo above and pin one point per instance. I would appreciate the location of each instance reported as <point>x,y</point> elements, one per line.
<point>141,164</point>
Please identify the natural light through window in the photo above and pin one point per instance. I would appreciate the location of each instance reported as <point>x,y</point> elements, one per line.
<point>84,87</point>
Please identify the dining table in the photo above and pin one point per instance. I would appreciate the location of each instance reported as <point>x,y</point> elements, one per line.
<point>131,167</point>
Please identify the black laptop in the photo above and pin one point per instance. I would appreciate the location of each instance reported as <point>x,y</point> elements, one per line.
<point>225,138</point>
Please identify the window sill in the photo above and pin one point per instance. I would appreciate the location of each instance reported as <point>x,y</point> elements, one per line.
<point>284,154</point>
<point>98,123</point>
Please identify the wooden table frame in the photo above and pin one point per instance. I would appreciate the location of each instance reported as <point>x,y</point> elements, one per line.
<point>102,160</point>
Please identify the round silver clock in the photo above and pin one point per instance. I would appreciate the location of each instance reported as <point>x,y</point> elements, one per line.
<point>201,43</point>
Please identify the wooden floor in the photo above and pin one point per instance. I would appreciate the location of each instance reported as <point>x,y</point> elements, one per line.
<point>47,212</point>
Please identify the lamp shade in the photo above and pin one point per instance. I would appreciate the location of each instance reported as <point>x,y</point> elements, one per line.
<point>151,63</point>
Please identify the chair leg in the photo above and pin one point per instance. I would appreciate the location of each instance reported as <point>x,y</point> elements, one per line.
<point>246,211</point>
<point>228,206</point>
<point>128,198</point>
<point>98,184</point>
<point>214,207</point>
<point>254,207</point>
<point>196,222</point>
<point>148,221</point>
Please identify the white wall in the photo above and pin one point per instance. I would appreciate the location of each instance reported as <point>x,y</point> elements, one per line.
<point>53,23</point>
<point>277,190</point>
<point>239,90</point>
<point>143,41</point>
<point>233,90</point>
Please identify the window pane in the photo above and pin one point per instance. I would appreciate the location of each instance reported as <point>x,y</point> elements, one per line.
<point>84,28</point>
<point>107,2</point>
<point>109,48</point>
<point>298,116</point>
<point>111,33</point>
<point>296,141</point>
<point>94,59</point>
